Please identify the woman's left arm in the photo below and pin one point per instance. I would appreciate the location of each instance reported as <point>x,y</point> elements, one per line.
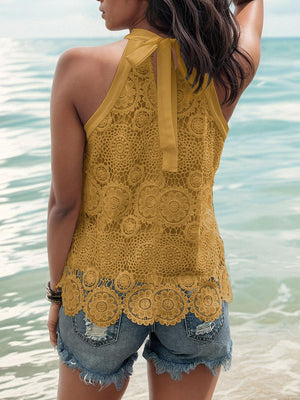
<point>250,15</point>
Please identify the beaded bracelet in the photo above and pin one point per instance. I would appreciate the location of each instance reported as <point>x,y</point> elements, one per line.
<point>52,296</point>
<point>54,300</point>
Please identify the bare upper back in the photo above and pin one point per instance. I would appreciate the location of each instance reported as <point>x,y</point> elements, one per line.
<point>93,70</point>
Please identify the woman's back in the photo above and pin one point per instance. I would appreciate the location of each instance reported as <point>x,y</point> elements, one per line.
<point>93,69</point>
<point>132,237</point>
<point>147,222</point>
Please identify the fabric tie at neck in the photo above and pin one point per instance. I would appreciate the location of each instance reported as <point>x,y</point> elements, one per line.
<point>166,88</point>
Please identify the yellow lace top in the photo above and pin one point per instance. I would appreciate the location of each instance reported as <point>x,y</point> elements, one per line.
<point>146,240</point>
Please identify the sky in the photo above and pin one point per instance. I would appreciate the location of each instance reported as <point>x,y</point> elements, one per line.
<point>81,18</point>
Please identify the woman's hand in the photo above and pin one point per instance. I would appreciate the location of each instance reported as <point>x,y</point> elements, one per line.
<point>52,322</point>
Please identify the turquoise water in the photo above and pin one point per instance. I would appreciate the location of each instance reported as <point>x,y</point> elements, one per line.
<point>257,204</point>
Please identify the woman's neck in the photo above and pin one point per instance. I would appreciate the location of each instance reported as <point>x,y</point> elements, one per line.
<point>144,24</point>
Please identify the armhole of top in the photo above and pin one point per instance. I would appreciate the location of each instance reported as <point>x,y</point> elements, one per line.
<point>215,106</point>
<point>111,96</point>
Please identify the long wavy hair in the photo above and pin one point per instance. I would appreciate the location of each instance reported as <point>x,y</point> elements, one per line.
<point>208,37</point>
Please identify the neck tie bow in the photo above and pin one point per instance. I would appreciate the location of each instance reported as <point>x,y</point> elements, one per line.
<point>166,88</point>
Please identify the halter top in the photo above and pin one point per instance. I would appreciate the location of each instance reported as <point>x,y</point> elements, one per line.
<point>146,241</point>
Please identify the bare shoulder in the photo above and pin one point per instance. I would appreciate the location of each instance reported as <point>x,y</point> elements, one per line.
<point>79,60</point>
<point>84,74</point>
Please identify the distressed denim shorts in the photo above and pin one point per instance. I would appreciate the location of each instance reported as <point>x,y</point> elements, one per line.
<point>106,355</point>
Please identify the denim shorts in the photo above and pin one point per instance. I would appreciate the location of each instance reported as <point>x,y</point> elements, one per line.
<point>106,355</point>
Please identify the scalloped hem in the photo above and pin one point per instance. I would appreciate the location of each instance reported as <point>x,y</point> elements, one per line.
<point>73,287</point>
<point>91,377</point>
<point>176,369</point>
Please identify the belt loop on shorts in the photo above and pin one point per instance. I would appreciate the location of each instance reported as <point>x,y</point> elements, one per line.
<point>152,327</point>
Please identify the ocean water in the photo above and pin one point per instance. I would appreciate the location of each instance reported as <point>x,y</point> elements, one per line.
<point>257,204</point>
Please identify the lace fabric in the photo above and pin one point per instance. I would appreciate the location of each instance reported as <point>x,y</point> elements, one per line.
<point>146,240</point>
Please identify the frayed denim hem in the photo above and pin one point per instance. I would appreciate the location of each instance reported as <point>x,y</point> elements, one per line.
<point>90,377</point>
<point>175,369</point>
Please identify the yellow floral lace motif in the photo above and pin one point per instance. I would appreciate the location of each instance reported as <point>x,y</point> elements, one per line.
<point>146,242</point>
<point>164,300</point>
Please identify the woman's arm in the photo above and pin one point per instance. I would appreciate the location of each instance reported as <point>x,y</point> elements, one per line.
<point>67,147</point>
<point>249,16</point>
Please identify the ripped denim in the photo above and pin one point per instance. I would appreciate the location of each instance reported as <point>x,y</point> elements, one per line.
<point>106,355</point>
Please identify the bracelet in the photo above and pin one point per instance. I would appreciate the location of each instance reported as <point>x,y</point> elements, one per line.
<point>52,292</point>
<point>53,296</point>
<point>54,300</point>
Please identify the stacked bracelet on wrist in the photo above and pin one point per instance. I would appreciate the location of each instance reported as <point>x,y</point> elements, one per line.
<point>52,296</point>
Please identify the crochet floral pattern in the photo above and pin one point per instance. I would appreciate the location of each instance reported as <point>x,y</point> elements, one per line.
<point>146,242</point>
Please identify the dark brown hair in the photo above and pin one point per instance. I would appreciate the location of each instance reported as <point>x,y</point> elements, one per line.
<point>208,37</point>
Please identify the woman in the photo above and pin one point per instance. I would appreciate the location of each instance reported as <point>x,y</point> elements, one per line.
<point>138,128</point>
